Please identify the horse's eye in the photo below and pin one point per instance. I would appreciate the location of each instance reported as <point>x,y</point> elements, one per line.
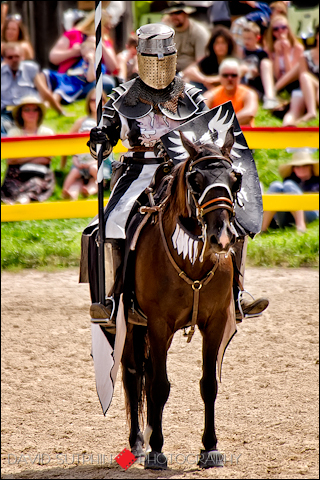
<point>195,181</point>
<point>236,187</point>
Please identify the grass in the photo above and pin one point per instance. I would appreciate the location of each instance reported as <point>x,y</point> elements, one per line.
<point>51,244</point>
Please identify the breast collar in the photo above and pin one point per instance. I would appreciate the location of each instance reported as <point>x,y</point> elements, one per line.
<point>186,106</point>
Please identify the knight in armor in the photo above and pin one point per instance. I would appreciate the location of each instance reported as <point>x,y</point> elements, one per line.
<point>139,112</point>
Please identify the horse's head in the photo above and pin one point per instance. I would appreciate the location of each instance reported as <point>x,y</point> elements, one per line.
<point>212,185</point>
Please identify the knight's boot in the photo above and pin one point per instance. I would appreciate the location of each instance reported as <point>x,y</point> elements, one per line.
<point>105,315</point>
<point>245,308</point>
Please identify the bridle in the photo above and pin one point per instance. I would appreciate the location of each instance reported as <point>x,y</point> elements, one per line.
<point>203,209</point>
<point>220,202</point>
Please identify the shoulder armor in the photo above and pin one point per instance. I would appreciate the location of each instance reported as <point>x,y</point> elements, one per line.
<point>131,112</point>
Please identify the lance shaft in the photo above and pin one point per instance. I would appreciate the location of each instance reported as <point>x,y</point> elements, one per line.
<point>101,235</point>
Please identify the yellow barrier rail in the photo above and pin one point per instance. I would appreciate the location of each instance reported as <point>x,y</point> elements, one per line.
<point>89,208</point>
<point>69,144</point>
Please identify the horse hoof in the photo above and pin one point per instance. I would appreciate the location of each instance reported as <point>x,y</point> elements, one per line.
<point>210,459</point>
<point>155,461</point>
<point>138,450</point>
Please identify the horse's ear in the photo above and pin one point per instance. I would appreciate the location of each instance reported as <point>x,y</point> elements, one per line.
<point>228,143</point>
<point>189,146</point>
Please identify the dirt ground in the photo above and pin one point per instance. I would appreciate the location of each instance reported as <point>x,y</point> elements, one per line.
<point>266,411</point>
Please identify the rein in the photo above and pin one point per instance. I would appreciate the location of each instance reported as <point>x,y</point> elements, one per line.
<point>196,285</point>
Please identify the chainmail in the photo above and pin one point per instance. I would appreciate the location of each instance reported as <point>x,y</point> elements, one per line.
<point>168,97</point>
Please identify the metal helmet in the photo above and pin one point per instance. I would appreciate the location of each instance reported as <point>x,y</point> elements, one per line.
<point>157,55</point>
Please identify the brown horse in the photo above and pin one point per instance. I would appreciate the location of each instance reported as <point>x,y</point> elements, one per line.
<point>183,277</point>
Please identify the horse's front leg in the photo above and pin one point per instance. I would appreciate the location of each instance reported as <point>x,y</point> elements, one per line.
<point>209,457</point>
<point>132,381</point>
<point>159,393</point>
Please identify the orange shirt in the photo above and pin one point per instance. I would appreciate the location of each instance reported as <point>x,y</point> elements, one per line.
<point>220,96</point>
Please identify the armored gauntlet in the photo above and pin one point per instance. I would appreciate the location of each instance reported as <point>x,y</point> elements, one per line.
<point>98,135</point>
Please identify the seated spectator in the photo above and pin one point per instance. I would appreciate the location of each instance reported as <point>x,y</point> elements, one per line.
<point>128,60</point>
<point>28,178</point>
<point>257,12</point>
<point>244,99</point>
<point>191,37</point>
<point>82,177</point>
<point>301,175</point>
<point>309,80</point>
<point>304,102</point>
<point>18,79</point>
<point>219,14</point>
<point>66,52</point>
<point>15,31</point>
<point>4,13</point>
<point>284,51</point>
<point>205,73</point>
<point>279,8</point>
<point>252,55</point>
<point>71,85</point>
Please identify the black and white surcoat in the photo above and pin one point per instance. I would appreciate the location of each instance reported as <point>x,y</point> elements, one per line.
<point>138,116</point>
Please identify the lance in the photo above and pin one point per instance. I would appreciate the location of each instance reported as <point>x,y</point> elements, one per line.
<point>101,235</point>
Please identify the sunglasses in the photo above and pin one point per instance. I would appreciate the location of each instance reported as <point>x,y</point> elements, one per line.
<point>232,75</point>
<point>15,16</point>
<point>11,57</point>
<point>281,27</point>
<point>30,109</point>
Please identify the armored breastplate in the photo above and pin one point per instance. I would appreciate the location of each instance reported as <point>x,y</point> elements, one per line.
<point>178,101</point>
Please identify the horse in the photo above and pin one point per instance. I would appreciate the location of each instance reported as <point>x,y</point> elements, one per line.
<point>183,277</point>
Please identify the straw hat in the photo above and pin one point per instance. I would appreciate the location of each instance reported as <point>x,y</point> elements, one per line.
<point>177,7</point>
<point>299,159</point>
<point>28,100</point>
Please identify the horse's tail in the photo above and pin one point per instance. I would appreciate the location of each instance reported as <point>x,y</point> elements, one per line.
<point>134,364</point>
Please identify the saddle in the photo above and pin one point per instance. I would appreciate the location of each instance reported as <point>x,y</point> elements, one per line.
<point>134,227</point>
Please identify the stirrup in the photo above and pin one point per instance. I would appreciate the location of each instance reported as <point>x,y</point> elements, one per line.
<point>245,315</point>
<point>104,322</point>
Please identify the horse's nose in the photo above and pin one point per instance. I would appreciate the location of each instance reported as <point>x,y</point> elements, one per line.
<point>224,240</point>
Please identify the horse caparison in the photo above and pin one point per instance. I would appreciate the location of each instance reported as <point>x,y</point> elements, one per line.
<point>199,197</point>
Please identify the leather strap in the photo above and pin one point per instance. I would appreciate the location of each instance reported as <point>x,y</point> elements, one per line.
<point>196,285</point>
<point>141,148</point>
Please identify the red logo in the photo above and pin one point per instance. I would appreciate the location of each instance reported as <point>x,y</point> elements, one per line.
<point>125,458</point>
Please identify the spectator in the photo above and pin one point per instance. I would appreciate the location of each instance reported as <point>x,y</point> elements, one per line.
<point>4,13</point>
<point>205,73</point>
<point>71,85</point>
<point>279,8</point>
<point>18,79</point>
<point>304,102</point>
<point>15,31</point>
<point>299,176</point>
<point>66,52</point>
<point>29,178</point>
<point>252,55</point>
<point>257,12</point>
<point>243,98</point>
<point>219,14</point>
<point>191,37</point>
<point>82,177</point>
<point>284,51</point>
<point>128,60</point>
<point>309,80</point>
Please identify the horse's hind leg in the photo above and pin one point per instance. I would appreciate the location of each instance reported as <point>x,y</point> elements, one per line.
<point>132,375</point>
<point>209,457</point>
